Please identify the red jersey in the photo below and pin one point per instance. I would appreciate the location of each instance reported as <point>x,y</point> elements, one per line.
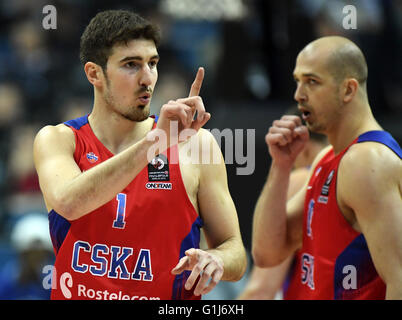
<point>127,248</point>
<point>334,261</point>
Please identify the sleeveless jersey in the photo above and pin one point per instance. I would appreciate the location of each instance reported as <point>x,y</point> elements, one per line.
<point>334,261</point>
<point>127,248</point>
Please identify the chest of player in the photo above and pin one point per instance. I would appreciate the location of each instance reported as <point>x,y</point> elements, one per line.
<point>326,231</point>
<point>160,180</point>
<point>150,208</point>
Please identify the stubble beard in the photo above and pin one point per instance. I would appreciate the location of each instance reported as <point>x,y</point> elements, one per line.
<point>315,127</point>
<point>326,122</point>
<point>137,113</point>
<point>133,113</point>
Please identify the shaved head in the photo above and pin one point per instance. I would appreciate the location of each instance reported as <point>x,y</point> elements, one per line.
<point>343,58</point>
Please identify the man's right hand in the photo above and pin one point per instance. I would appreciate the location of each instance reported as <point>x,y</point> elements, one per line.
<point>286,138</point>
<point>180,114</point>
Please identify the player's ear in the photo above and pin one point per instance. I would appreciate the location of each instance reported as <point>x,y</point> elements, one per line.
<point>350,87</point>
<point>94,73</point>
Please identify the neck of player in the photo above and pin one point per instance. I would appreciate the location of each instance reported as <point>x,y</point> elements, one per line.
<point>116,132</point>
<point>356,120</point>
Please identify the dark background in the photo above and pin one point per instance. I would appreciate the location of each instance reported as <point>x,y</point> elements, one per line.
<point>248,49</point>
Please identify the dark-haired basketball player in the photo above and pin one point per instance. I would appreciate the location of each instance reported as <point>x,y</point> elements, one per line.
<point>125,226</point>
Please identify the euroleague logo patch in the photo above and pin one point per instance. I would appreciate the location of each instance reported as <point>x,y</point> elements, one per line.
<point>158,169</point>
<point>158,163</point>
<point>323,198</point>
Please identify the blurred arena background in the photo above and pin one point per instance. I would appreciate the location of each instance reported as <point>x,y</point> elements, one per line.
<point>248,49</point>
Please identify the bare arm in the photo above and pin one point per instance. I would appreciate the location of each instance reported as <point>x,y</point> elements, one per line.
<point>277,228</point>
<point>225,259</point>
<point>264,283</point>
<point>370,183</point>
<point>218,211</point>
<point>275,220</point>
<point>73,193</point>
<point>277,223</point>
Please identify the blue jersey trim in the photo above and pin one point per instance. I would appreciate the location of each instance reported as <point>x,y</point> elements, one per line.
<point>382,137</point>
<point>82,121</point>
<point>59,227</point>
<point>355,258</point>
<point>156,117</point>
<point>192,240</point>
<point>77,123</point>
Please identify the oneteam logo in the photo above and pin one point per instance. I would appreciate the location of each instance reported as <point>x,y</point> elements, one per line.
<point>159,185</point>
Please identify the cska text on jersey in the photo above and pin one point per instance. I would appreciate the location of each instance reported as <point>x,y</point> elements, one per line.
<point>111,261</point>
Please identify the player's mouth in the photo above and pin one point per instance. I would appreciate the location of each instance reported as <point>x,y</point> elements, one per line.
<point>145,98</point>
<point>305,113</point>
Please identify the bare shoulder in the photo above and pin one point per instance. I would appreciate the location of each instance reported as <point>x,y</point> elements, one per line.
<point>58,136</point>
<point>205,136</point>
<point>373,150</point>
<point>369,176</point>
<point>59,131</point>
<point>372,160</point>
<point>202,149</point>
<point>209,149</point>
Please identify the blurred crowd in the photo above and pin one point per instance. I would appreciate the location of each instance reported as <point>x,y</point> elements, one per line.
<point>248,48</point>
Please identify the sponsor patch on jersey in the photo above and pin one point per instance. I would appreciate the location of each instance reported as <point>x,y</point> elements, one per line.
<point>92,157</point>
<point>158,169</point>
<point>325,187</point>
<point>323,199</point>
<point>159,185</point>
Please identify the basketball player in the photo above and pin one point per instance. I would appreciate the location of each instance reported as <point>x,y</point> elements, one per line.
<point>268,283</point>
<point>125,226</point>
<point>347,219</point>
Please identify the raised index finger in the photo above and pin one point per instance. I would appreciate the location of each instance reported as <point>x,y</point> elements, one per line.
<point>196,86</point>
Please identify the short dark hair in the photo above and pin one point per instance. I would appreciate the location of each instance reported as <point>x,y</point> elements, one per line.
<point>112,27</point>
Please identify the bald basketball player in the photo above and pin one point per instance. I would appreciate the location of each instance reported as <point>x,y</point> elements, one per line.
<point>347,219</point>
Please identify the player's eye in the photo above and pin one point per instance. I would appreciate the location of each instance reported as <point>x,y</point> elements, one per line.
<point>130,64</point>
<point>153,64</point>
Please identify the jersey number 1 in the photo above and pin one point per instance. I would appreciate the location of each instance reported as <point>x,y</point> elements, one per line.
<point>119,223</point>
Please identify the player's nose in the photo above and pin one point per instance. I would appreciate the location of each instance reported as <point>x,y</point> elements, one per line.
<point>146,77</point>
<point>300,95</point>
